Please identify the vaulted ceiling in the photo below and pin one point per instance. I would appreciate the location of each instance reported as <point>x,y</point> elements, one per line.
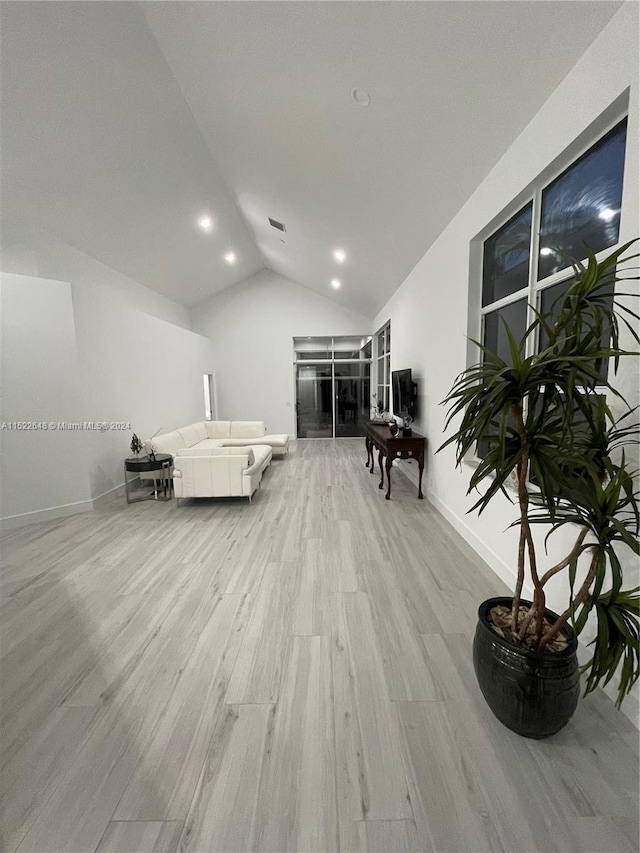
<point>124,123</point>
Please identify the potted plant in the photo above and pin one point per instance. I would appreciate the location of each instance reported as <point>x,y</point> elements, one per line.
<point>554,424</point>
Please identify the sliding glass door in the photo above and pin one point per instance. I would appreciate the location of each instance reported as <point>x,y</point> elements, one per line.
<point>333,386</point>
<point>314,407</point>
<point>352,393</point>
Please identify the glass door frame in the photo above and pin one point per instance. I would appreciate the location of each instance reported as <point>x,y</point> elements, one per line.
<point>366,342</point>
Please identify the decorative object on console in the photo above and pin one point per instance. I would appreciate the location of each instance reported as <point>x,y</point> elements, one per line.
<point>150,446</point>
<point>393,428</point>
<point>377,410</point>
<point>406,426</point>
<point>136,445</point>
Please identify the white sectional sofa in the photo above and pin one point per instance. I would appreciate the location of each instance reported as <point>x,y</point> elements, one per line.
<point>219,458</point>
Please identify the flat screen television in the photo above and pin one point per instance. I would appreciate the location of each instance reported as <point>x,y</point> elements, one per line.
<point>404,393</point>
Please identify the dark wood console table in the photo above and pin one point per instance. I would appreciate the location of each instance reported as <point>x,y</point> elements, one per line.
<point>393,447</point>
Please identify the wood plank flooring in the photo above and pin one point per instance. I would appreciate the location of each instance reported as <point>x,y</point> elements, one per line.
<point>289,675</point>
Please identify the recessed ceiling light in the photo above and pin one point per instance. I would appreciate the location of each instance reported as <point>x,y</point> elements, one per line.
<point>360,98</point>
<point>205,222</point>
<point>230,257</point>
<point>607,214</point>
<point>545,250</point>
<point>340,255</point>
<point>335,282</point>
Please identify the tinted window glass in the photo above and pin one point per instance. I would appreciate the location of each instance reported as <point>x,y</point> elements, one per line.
<point>495,336</point>
<point>313,355</point>
<point>505,264</point>
<point>351,369</point>
<point>548,299</point>
<point>582,206</point>
<point>347,353</point>
<point>314,371</point>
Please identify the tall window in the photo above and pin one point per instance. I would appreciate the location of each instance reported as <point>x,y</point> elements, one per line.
<point>209,396</point>
<point>524,262</point>
<point>383,366</point>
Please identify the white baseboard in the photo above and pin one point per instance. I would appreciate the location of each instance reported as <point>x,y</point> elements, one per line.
<point>50,514</point>
<point>495,563</point>
<point>99,499</point>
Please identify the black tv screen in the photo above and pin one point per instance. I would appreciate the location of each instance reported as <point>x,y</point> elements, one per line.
<point>403,393</point>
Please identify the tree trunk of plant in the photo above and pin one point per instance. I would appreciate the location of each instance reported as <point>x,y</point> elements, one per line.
<point>579,600</point>
<point>538,604</point>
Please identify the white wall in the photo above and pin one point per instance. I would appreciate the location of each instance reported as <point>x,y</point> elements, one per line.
<point>252,327</point>
<point>137,369</point>
<point>87,352</point>
<point>429,311</point>
<point>43,473</point>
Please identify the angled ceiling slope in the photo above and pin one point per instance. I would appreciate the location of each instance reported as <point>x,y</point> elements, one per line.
<point>100,149</point>
<point>122,123</point>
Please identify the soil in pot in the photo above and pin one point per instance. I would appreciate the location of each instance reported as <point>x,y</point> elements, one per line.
<point>499,617</point>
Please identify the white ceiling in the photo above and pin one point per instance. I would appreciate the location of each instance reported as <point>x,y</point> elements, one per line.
<point>123,122</point>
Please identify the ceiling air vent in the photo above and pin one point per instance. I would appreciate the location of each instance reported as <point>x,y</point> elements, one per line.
<point>279,225</point>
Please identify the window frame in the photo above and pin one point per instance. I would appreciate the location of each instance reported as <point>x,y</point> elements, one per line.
<point>331,361</point>
<point>532,194</point>
<point>382,360</point>
<point>534,288</point>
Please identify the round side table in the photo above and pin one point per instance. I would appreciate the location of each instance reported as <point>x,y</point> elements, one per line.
<point>161,464</point>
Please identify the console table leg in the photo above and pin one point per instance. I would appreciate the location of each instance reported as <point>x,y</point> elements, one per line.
<point>381,483</point>
<point>420,470</point>
<point>369,463</point>
<point>390,459</point>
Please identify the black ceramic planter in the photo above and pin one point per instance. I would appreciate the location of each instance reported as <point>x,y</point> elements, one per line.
<point>532,693</point>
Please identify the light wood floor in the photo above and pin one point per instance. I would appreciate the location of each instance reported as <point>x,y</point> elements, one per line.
<point>290,675</point>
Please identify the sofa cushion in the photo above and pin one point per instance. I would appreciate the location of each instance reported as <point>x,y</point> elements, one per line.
<point>190,435</point>
<point>217,429</point>
<point>210,442</point>
<point>277,439</point>
<point>217,450</point>
<point>247,429</point>
<point>201,431</point>
<point>203,448</point>
<point>170,442</point>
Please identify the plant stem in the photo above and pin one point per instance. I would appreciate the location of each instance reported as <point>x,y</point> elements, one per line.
<point>525,528</point>
<point>567,560</point>
<point>526,622</point>
<point>515,604</point>
<point>581,597</point>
